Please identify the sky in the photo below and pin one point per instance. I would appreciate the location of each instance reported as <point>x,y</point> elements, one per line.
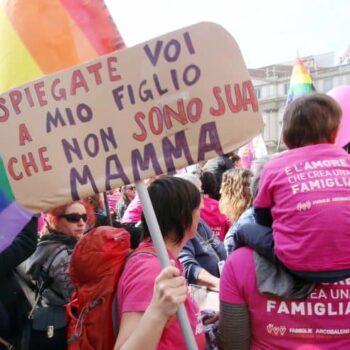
<point>267,31</point>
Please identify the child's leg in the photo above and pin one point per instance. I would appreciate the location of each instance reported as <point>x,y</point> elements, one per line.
<point>323,276</point>
<point>257,237</point>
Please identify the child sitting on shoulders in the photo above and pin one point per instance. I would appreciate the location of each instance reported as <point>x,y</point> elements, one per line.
<point>304,194</point>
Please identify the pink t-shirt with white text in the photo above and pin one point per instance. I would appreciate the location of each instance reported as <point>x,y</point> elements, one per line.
<point>320,322</point>
<point>308,191</point>
<point>133,212</point>
<point>135,291</point>
<point>218,222</point>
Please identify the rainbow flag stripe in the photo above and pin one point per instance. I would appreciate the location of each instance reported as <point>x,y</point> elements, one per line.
<point>300,81</point>
<point>12,216</point>
<point>39,37</point>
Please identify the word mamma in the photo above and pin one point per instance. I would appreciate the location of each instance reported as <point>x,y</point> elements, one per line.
<point>175,147</point>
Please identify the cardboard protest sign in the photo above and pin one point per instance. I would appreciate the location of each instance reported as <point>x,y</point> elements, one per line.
<point>40,37</point>
<point>161,105</point>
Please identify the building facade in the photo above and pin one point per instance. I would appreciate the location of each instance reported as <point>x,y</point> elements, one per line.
<point>272,84</point>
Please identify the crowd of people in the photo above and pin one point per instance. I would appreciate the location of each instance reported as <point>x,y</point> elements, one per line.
<point>271,242</point>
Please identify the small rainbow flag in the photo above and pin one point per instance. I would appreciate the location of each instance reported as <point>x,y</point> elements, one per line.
<point>39,37</point>
<point>300,81</point>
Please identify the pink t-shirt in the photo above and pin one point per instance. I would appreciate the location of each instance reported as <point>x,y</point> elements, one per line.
<point>321,322</point>
<point>133,212</point>
<point>113,199</point>
<point>218,222</point>
<point>135,291</point>
<point>308,191</point>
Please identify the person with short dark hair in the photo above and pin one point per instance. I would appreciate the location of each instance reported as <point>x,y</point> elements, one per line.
<point>210,212</point>
<point>209,183</point>
<point>218,166</point>
<point>305,194</point>
<point>176,203</point>
<point>236,160</point>
<point>313,119</point>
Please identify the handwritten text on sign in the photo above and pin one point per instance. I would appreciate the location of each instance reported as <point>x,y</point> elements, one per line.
<point>165,104</point>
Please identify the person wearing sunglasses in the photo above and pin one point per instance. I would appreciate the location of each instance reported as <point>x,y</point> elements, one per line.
<point>128,193</point>
<point>50,262</point>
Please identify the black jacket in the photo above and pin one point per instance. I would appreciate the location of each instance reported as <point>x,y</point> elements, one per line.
<point>51,261</point>
<point>21,248</point>
<point>12,300</point>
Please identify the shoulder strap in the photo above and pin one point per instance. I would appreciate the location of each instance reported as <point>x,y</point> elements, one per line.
<point>46,277</point>
<point>27,289</point>
<point>145,250</point>
<point>45,284</point>
<point>137,251</point>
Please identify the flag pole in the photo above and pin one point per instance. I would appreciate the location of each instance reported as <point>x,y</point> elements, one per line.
<point>108,212</point>
<point>280,138</point>
<point>300,84</point>
<point>163,257</point>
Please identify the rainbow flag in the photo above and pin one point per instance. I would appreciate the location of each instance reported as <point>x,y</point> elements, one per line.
<point>300,81</point>
<point>39,37</point>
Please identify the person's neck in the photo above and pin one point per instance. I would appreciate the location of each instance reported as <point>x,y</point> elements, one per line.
<point>130,198</point>
<point>173,247</point>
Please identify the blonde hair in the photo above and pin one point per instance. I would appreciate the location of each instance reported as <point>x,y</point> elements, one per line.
<point>236,196</point>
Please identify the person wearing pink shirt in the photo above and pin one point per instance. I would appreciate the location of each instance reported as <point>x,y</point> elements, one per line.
<point>132,214</point>
<point>252,320</point>
<point>305,194</point>
<point>210,212</point>
<point>176,204</point>
<point>128,193</point>
<point>265,307</point>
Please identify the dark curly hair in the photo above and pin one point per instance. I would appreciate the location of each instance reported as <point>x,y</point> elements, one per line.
<point>209,183</point>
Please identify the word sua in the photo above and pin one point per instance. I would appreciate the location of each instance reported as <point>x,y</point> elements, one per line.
<point>236,97</point>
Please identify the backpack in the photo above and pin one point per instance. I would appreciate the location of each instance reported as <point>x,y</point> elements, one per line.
<point>96,265</point>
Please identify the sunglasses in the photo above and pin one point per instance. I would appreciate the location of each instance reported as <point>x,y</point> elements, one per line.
<point>74,217</point>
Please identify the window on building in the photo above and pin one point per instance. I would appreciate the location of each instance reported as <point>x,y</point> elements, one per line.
<point>257,92</point>
<point>265,131</point>
<point>327,84</point>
